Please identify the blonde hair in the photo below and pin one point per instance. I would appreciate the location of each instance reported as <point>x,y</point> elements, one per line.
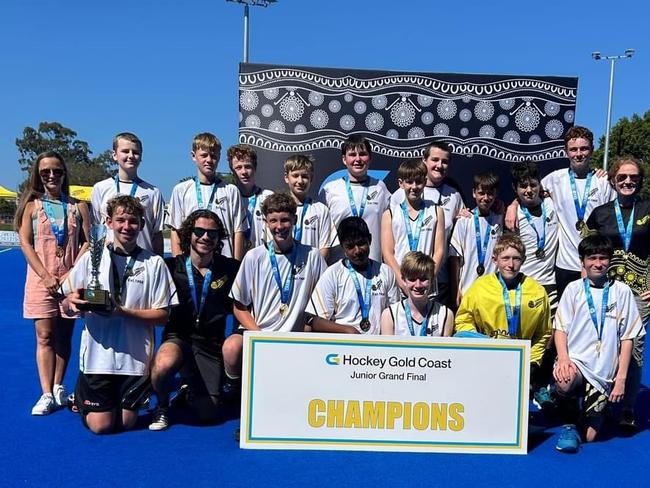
<point>206,142</point>
<point>509,240</point>
<point>297,162</point>
<point>127,136</point>
<point>416,264</point>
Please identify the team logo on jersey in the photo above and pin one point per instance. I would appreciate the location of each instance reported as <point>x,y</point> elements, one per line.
<point>371,196</point>
<point>258,213</point>
<point>216,284</point>
<point>444,201</point>
<point>427,220</point>
<point>333,359</point>
<point>496,229</point>
<point>594,191</point>
<point>611,307</point>
<point>643,221</point>
<point>312,220</point>
<point>297,268</point>
<point>536,303</point>
<point>136,272</point>
<point>219,201</point>
<point>377,285</point>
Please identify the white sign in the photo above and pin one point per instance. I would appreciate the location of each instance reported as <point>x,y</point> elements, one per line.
<point>370,393</point>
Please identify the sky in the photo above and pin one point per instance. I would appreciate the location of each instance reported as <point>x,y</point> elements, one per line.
<point>167,70</point>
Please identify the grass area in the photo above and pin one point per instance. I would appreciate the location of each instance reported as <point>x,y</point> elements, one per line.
<point>6,227</point>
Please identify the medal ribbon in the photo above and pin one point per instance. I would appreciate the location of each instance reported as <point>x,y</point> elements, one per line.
<point>59,232</point>
<point>134,185</point>
<point>364,298</point>
<point>481,249</point>
<point>252,202</point>
<point>409,319</point>
<point>287,287</point>
<point>199,193</point>
<point>625,232</point>
<point>512,314</point>
<point>297,230</point>
<point>414,240</point>
<point>581,208</point>
<point>198,307</point>
<point>118,285</point>
<point>364,197</point>
<point>541,237</point>
<point>592,307</point>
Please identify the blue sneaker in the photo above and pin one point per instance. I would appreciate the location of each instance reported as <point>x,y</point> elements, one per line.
<point>569,440</point>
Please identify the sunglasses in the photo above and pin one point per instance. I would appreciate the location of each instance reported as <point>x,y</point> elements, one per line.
<point>620,178</point>
<point>199,232</point>
<point>58,172</point>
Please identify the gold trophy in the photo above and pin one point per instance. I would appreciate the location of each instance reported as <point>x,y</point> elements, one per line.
<point>99,300</point>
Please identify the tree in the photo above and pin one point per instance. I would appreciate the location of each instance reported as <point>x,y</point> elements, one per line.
<point>629,137</point>
<point>83,169</point>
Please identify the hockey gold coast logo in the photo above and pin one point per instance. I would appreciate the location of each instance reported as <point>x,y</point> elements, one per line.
<point>536,303</point>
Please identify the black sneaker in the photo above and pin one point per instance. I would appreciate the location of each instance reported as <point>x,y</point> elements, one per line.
<point>160,420</point>
<point>627,421</point>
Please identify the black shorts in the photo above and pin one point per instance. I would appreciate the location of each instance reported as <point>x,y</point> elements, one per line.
<point>102,392</point>
<point>202,366</point>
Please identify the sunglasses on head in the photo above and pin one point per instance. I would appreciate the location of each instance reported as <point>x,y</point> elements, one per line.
<point>58,172</point>
<point>620,178</point>
<point>199,232</point>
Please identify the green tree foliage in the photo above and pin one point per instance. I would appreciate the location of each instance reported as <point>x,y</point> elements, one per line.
<point>629,137</point>
<point>83,168</point>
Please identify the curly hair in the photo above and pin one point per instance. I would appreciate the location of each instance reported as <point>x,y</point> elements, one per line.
<point>185,230</point>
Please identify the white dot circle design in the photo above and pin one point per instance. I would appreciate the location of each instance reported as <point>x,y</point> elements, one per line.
<point>379,102</point>
<point>374,121</point>
<point>527,119</point>
<point>241,117</point>
<point>267,110</point>
<point>415,133</point>
<point>277,126</point>
<point>507,103</point>
<point>426,118</point>
<point>315,98</point>
<point>425,100</point>
<point>300,129</point>
<point>484,111</point>
<point>348,97</point>
<point>319,118</point>
<point>487,131</point>
<point>569,116</point>
<point>392,134</point>
<point>252,121</point>
<point>464,132</point>
<point>334,106</point>
<point>441,129</point>
<point>551,109</point>
<point>554,129</point>
<point>402,114</point>
<point>512,136</point>
<point>248,100</point>
<point>534,139</point>
<point>466,99</point>
<point>447,109</point>
<point>347,122</point>
<point>360,107</point>
<point>503,120</point>
<point>271,93</point>
<point>291,108</point>
<point>465,115</point>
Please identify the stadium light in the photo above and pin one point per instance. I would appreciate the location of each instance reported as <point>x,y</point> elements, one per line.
<point>597,56</point>
<point>247,4</point>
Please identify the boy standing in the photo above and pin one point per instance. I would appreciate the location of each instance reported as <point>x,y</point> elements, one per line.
<point>595,325</point>
<point>207,191</point>
<point>351,294</point>
<point>117,345</point>
<point>127,153</point>
<point>314,226</point>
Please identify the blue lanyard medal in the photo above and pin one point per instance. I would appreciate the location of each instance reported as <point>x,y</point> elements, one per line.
<point>59,232</point>
<point>364,298</point>
<point>481,248</point>
<point>581,207</point>
<point>199,193</point>
<point>297,230</point>
<point>424,326</point>
<point>592,311</point>
<point>624,232</point>
<point>364,197</point>
<point>513,314</point>
<point>134,186</point>
<point>414,240</point>
<point>250,212</point>
<point>198,307</point>
<point>286,288</point>
<point>541,236</point>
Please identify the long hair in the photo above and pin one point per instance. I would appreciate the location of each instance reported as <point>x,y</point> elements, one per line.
<point>35,188</point>
<point>185,230</point>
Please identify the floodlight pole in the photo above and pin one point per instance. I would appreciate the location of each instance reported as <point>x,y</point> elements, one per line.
<point>246,23</point>
<point>247,4</point>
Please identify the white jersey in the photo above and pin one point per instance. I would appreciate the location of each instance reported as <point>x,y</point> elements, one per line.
<point>435,325</point>
<point>622,322</point>
<point>255,219</point>
<point>377,201</point>
<point>122,345</point>
<point>255,286</point>
<point>463,245</point>
<point>558,184</point>
<point>541,269</point>
<point>335,296</point>
<point>451,201</point>
<point>226,203</point>
<point>317,227</point>
<point>148,195</point>
<point>427,232</point>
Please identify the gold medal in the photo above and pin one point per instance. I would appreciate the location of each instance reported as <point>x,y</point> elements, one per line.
<point>59,251</point>
<point>599,345</point>
<point>284,309</point>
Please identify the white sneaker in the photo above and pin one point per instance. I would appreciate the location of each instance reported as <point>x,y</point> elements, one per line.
<point>45,405</point>
<point>60,396</point>
<point>160,420</point>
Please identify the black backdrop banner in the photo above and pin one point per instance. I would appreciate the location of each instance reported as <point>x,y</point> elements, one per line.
<point>490,121</point>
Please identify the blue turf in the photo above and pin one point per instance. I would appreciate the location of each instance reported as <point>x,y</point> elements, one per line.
<point>58,451</point>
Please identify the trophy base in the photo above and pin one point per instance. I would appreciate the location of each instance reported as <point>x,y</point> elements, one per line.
<point>98,301</point>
